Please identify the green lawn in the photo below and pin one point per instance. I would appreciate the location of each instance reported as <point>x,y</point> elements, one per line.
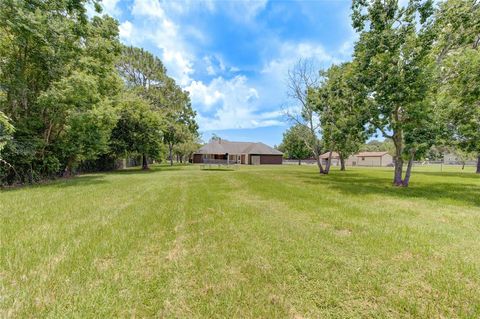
<point>251,242</point>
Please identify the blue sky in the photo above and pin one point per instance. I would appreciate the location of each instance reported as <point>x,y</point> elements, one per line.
<point>233,56</point>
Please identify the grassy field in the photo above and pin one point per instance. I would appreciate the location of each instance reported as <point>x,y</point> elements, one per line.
<point>251,242</point>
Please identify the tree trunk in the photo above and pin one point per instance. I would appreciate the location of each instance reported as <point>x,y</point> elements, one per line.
<point>329,163</point>
<point>342,163</point>
<point>144,162</point>
<point>398,142</point>
<point>406,181</point>
<point>319,164</point>
<point>170,148</point>
<point>299,162</point>
<point>478,164</point>
<point>68,172</point>
<point>397,179</point>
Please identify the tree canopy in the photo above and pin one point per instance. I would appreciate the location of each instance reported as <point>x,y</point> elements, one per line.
<point>74,93</point>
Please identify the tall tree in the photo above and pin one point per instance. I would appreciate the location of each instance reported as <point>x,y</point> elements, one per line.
<point>138,130</point>
<point>47,48</point>
<point>392,56</point>
<point>6,132</point>
<point>302,78</point>
<point>340,103</point>
<point>458,72</point>
<point>180,125</point>
<point>145,74</point>
<point>293,143</point>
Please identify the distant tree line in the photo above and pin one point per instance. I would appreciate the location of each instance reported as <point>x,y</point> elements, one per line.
<point>72,97</point>
<point>414,77</point>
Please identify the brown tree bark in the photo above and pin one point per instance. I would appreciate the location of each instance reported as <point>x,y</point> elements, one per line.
<point>319,164</point>
<point>329,163</point>
<point>398,142</point>
<point>478,164</point>
<point>408,172</point>
<point>299,161</point>
<point>68,172</point>
<point>145,162</point>
<point>342,163</point>
<point>170,149</point>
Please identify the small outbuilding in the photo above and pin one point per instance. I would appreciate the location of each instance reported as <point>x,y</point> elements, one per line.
<point>370,159</point>
<point>249,153</point>
<point>335,159</point>
<point>360,159</point>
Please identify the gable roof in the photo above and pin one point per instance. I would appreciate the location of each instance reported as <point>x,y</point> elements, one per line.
<point>327,154</point>
<point>371,154</point>
<point>223,147</point>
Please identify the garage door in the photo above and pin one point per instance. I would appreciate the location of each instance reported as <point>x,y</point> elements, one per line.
<point>255,159</point>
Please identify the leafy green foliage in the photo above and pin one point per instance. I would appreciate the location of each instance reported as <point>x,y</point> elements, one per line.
<point>146,75</point>
<point>62,81</point>
<point>392,55</point>
<point>138,129</point>
<point>6,131</point>
<point>58,83</point>
<point>341,103</point>
<point>458,72</point>
<point>293,144</point>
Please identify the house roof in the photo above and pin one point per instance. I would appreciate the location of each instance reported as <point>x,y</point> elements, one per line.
<point>223,147</point>
<point>327,154</point>
<point>371,154</point>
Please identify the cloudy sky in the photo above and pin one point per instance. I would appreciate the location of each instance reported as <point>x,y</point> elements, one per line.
<point>233,56</point>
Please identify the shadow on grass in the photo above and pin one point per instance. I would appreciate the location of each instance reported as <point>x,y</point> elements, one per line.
<point>467,175</point>
<point>218,169</point>
<point>361,184</point>
<point>81,180</point>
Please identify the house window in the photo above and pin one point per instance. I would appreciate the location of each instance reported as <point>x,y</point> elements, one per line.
<point>363,158</point>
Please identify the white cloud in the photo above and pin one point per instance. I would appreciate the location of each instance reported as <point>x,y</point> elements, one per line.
<point>110,7</point>
<point>157,27</point>
<point>235,104</point>
<point>289,53</point>
<point>223,102</point>
<point>148,8</point>
<point>125,30</point>
<point>247,9</point>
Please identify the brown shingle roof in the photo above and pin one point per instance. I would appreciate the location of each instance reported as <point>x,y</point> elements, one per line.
<point>327,154</point>
<point>371,154</point>
<point>223,147</point>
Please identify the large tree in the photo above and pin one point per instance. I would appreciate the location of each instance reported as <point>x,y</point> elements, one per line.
<point>48,48</point>
<point>302,78</point>
<point>340,102</point>
<point>145,74</point>
<point>457,51</point>
<point>293,143</point>
<point>6,132</point>
<point>393,58</point>
<point>138,130</point>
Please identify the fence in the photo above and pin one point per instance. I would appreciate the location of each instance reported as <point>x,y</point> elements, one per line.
<point>295,162</point>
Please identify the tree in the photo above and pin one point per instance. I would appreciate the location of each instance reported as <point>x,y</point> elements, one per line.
<point>302,78</point>
<point>340,103</point>
<point>47,49</point>
<point>458,72</point>
<point>293,143</point>
<point>138,130</point>
<point>6,131</point>
<point>379,146</point>
<point>185,149</point>
<point>392,55</point>
<point>145,74</point>
<point>180,125</point>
